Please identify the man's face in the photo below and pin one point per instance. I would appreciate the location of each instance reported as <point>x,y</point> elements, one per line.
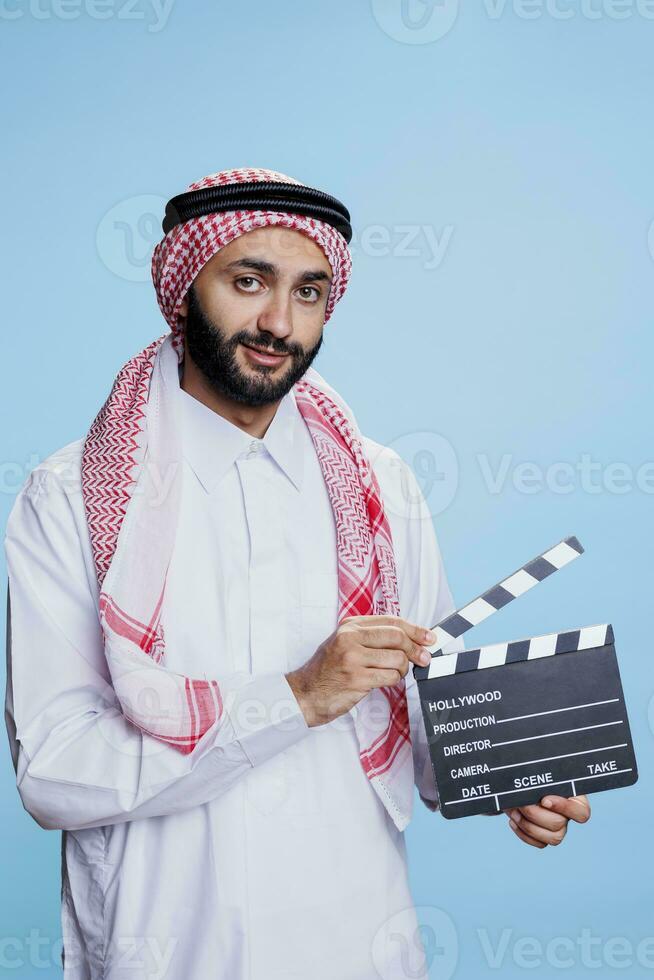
<point>264,292</point>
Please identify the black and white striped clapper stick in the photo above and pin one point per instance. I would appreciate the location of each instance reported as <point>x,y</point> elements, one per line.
<point>475,612</point>
<point>515,651</point>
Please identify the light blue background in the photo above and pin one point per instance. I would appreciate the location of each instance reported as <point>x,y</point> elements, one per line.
<point>530,139</point>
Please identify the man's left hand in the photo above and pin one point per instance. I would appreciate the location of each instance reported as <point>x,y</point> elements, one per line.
<point>547,822</point>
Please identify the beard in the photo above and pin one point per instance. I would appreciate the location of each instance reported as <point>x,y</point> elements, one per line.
<point>214,354</point>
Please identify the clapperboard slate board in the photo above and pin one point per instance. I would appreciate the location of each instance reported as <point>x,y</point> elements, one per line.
<point>511,722</point>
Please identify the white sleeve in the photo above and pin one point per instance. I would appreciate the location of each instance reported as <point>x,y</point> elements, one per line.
<point>79,763</point>
<point>426,599</point>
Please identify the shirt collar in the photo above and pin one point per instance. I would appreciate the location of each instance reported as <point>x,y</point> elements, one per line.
<point>211,443</point>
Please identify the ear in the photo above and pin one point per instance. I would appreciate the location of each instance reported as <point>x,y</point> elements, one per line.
<point>183,306</point>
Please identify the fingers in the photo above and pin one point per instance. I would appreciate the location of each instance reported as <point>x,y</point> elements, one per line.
<point>419,634</point>
<point>392,656</point>
<point>386,660</point>
<point>393,637</point>
<point>534,831</point>
<point>539,815</point>
<point>575,808</point>
<point>525,837</point>
<point>388,645</point>
<point>547,823</point>
<point>376,677</point>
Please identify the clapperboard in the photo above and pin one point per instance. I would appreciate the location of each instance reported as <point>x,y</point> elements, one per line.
<point>511,722</point>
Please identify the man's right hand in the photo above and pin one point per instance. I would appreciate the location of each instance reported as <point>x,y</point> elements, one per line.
<point>364,652</point>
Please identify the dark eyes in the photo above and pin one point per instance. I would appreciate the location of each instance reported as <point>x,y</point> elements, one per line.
<point>250,284</point>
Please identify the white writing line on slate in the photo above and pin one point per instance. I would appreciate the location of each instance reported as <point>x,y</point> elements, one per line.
<point>568,755</point>
<point>551,758</point>
<point>553,711</point>
<point>567,731</point>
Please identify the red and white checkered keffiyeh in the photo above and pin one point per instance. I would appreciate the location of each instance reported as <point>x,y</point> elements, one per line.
<point>136,435</point>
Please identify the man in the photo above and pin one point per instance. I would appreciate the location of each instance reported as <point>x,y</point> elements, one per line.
<point>216,597</point>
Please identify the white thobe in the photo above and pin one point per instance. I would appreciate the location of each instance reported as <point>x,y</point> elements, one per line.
<point>272,858</point>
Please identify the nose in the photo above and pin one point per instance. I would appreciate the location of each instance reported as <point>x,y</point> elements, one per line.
<point>275,317</point>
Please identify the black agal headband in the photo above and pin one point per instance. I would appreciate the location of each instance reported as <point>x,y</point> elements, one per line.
<point>259,196</point>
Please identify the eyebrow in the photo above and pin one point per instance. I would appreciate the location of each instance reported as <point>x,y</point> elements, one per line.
<point>268,269</point>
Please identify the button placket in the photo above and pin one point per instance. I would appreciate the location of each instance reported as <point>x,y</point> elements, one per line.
<point>267,788</point>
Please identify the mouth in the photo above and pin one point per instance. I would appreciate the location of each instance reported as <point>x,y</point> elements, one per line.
<point>268,358</point>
